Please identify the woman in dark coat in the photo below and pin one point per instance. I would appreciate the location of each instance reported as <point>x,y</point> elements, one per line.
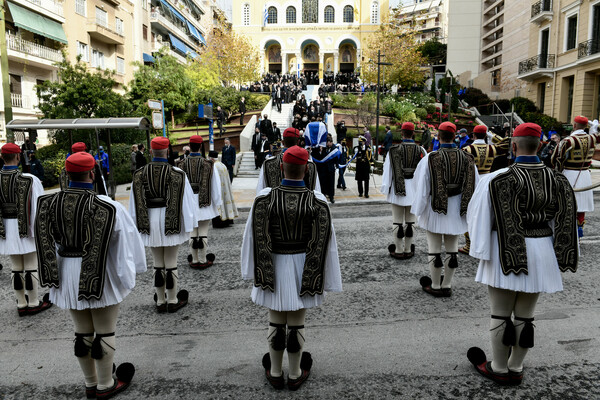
<point>363,166</point>
<point>326,170</point>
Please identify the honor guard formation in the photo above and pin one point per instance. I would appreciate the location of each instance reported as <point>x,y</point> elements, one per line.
<point>522,221</point>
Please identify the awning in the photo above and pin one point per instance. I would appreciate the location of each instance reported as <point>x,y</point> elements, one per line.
<point>176,13</point>
<point>182,47</point>
<point>36,23</point>
<point>80,123</point>
<point>195,32</point>
<point>148,58</point>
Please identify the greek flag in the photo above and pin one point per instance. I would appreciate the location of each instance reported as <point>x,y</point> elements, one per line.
<point>265,17</point>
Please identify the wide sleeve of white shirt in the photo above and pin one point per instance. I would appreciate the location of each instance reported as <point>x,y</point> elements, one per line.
<point>189,207</point>
<point>422,194</point>
<point>480,218</point>
<point>127,255</point>
<point>37,190</point>
<point>386,179</point>
<point>132,205</point>
<point>261,180</point>
<point>332,276</point>
<point>215,187</point>
<point>247,251</point>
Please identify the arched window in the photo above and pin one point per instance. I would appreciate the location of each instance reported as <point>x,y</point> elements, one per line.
<point>272,15</point>
<point>246,14</point>
<point>329,16</point>
<point>349,14</point>
<point>375,12</point>
<point>290,15</point>
<point>310,11</point>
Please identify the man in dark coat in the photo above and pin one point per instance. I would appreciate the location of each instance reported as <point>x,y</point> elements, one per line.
<point>220,120</point>
<point>341,131</point>
<point>140,160</point>
<point>242,108</point>
<point>228,157</point>
<point>266,127</point>
<point>256,140</point>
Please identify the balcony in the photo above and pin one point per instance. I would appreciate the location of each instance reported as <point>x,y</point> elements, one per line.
<point>102,31</point>
<point>35,54</point>
<point>541,11</point>
<point>20,101</point>
<point>157,18</point>
<point>536,67</point>
<point>49,8</point>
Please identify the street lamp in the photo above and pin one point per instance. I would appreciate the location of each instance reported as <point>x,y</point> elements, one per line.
<point>379,64</point>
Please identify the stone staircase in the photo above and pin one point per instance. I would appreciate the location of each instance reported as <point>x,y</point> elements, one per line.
<point>246,169</point>
<point>284,118</point>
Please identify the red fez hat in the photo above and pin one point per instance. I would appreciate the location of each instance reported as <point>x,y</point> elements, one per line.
<point>80,162</point>
<point>480,129</point>
<point>159,143</point>
<point>77,147</point>
<point>295,155</point>
<point>291,132</point>
<point>447,126</point>
<point>581,120</point>
<point>195,139</point>
<point>528,129</point>
<point>409,126</point>
<point>11,148</point>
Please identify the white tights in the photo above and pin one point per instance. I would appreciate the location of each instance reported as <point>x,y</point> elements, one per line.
<point>434,243</point>
<point>165,261</point>
<point>23,264</point>
<point>402,215</point>
<point>199,255</point>
<point>289,318</point>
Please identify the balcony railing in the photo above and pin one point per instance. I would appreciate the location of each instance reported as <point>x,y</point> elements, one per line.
<point>540,7</point>
<point>541,61</point>
<point>588,48</point>
<point>24,46</point>
<point>20,101</point>
<point>51,5</point>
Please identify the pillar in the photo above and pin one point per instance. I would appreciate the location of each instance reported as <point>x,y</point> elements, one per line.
<point>321,65</point>
<point>299,62</point>
<point>284,63</point>
<point>336,62</point>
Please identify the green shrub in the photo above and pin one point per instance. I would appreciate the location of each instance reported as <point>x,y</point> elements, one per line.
<point>421,100</point>
<point>545,121</point>
<point>53,164</point>
<point>430,108</point>
<point>421,113</point>
<point>523,105</point>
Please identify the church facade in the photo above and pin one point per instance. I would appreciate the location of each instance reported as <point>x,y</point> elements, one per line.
<point>316,37</point>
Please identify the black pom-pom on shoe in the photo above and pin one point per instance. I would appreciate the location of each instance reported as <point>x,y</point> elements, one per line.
<point>190,258</point>
<point>306,361</point>
<point>392,248</point>
<point>425,281</point>
<point>476,356</point>
<point>266,361</point>
<point>210,257</point>
<point>125,372</point>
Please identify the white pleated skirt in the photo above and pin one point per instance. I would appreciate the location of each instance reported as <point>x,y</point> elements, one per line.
<point>65,296</point>
<point>398,200</point>
<point>14,244</point>
<point>157,237</point>
<point>450,223</point>
<point>543,276</point>
<point>288,282</point>
<point>208,212</point>
<point>580,179</point>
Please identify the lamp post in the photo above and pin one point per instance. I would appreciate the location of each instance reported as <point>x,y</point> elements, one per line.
<point>379,64</point>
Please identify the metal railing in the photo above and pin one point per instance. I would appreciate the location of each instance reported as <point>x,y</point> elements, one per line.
<point>540,7</point>
<point>541,61</point>
<point>104,25</point>
<point>588,48</point>
<point>24,46</point>
<point>51,5</point>
<point>20,101</point>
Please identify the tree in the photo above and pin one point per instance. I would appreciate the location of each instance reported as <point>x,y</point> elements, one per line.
<point>204,74</point>
<point>434,52</point>
<point>165,80</point>
<point>79,93</point>
<point>398,45</point>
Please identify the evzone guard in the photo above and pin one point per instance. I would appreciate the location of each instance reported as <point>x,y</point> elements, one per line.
<point>271,174</point>
<point>444,183</point>
<point>89,253</point>
<point>522,221</point>
<point>290,253</point>
<point>164,209</point>
<point>99,184</point>
<point>397,182</point>
<point>18,207</point>
<point>206,185</point>
<point>573,157</point>
<point>484,155</point>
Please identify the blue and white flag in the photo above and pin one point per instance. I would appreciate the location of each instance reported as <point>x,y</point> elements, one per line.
<point>336,152</point>
<point>315,134</point>
<point>265,16</point>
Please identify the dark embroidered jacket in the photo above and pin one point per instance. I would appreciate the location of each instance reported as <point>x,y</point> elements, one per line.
<point>199,171</point>
<point>404,159</point>
<point>452,173</point>
<point>274,174</point>
<point>15,200</point>
<point>79,224</point>
<point>158,185</point>
<point>291,220</point>
<point>524,200</point>
<point>575,152</point>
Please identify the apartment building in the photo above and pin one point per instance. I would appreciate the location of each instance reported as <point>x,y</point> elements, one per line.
<point>562,68</point>
<point>34,35</point>
<point>428,17</point>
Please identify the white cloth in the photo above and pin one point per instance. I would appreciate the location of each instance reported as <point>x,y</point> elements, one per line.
<point>262,184</point>
<point>288,273</point>
<point>543,272</point>
<point>14,244</point>
<point>189,219</point>
<point>387,186</point>
<point>212,210</point>
<point>450,223</point>
<point>126,257</point>
<point>579,179</point>
<point>227,209</point>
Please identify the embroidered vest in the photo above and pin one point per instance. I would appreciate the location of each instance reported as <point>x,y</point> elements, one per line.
<point>404,158</point>
<point>274,174</point>
<point>452,173</point>
<point>199,171</point>
<point>15,200</point>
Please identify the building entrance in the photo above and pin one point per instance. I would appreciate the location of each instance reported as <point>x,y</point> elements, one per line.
<point>311,72</point>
